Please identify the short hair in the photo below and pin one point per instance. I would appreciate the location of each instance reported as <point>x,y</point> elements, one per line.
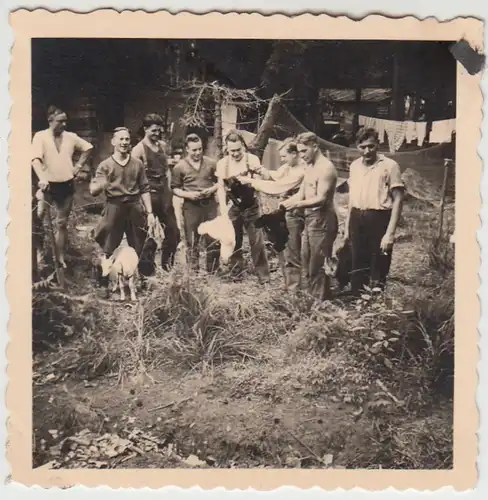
<point>120,129</point>
<point>290,145</point>
<point>235,136</point>
<point>192,138</point>
<point>152,119</point>
<point>52,111</point>
<point>366,133</point>
<point>307,138</point>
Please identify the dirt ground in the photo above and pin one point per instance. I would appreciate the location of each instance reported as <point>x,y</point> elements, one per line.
<point>296,399</point>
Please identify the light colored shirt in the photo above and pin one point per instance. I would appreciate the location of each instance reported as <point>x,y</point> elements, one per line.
<point>228,167</point>
<point>370,187</point>
<point>59,164</point>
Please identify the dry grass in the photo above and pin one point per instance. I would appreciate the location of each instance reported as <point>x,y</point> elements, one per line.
<point>259,346</point>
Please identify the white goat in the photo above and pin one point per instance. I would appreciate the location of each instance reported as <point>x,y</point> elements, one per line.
<point>221,229</point>
<point>124,264</point>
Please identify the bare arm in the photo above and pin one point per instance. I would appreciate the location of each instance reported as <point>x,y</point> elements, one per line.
<point>221,196</point>
<point>146,200</point>
<point>398,196</point>
<point>293,201</point>
<point>40,169</point>
<point>37,163</point>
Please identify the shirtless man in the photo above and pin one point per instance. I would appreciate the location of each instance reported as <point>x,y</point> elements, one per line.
<point>316,197</point>
<point>52,161</point>
<point>239,162</point>
<point>152,152</point>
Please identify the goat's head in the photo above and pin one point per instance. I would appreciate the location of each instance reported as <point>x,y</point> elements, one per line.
<point>106,264</point>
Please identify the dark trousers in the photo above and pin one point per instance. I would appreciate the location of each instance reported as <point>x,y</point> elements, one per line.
<point>244,220</point>
<point>121,217</point>
<point>162,205</point>
<point>295,221</point>
<point>320,232</point>
<point>370,266</point>
<point>194,213</point>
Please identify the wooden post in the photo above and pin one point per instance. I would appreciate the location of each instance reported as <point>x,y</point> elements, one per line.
<point>447,164</point>
<point>57,268</point>
<point>357,110</point>
<point>259,143</point>
<point>218,124</point>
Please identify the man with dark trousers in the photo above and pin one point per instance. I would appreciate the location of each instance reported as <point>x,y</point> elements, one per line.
<point>376,192</point>
<point>123,180</point>
<point>193,179</point>
<point>152,152</point>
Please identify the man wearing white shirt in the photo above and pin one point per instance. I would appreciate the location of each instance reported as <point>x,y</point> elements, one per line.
<point>290,173</point>
<point>52,161</point>
<point>239,162</point>
<point>376,192</point>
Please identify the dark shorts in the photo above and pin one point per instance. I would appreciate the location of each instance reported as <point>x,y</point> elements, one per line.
<point>59,192</point>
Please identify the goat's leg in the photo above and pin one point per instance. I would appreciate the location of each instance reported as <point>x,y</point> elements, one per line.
<point>121,286</point>
<point>132,288</point>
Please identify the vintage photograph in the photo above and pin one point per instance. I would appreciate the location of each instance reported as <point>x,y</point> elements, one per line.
<point>242,253</point>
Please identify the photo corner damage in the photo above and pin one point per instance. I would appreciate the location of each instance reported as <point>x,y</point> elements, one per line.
<point>472,59</point>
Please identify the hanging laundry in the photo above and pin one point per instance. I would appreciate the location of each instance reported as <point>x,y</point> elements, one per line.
<point>442,131</point>
<point>410,132</point>
<point>396,134</point>
<point>380,128</point>
<point>421,131</point>
<point>366,121</point>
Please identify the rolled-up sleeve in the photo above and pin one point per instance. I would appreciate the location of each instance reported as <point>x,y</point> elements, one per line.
<point>37,147</point>
<point>396,180</point>
<point>82,145</point>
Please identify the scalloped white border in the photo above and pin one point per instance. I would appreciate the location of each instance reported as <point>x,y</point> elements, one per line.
<point>122,4</point>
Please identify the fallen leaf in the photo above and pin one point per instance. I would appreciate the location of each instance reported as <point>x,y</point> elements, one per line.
<point>328,459</point>
<point>379,335</point>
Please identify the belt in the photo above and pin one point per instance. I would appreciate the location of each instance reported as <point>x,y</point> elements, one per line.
<point>202,203</point>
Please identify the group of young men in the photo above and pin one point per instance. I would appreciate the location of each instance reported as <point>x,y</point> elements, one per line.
<point>139,184</point>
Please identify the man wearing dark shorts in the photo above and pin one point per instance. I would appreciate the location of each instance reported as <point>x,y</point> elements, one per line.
<point>193,179</point>
<point>123,179</point>
<point>52,161</point>
<point>152,153</point>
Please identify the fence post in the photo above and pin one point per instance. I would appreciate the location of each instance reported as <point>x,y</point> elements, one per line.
<point>447,165</point>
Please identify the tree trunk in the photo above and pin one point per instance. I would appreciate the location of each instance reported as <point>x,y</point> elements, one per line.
<point>259,143</point>
<point>218,124</point>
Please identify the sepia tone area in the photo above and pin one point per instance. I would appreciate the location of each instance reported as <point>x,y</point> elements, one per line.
<point>207,373</point>
<point>362,383</point>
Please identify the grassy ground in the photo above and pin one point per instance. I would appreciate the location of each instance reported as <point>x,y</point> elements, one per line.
<point>204,373</point>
